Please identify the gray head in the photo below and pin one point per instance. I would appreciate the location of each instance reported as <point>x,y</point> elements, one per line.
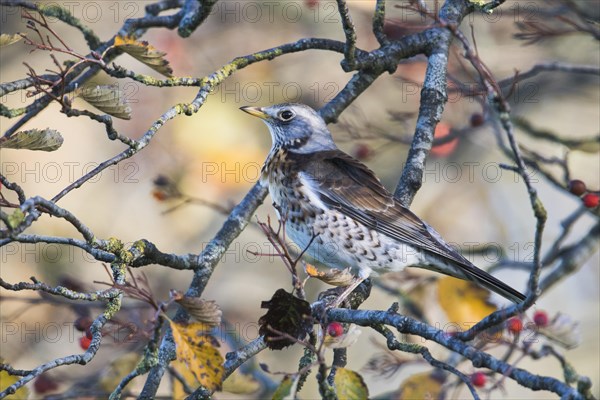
<point>296,127</point>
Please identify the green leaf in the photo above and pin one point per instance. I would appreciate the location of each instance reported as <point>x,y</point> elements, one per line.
<point>349,385</point>
<point>16,218</point>
<point>33,139</point>
<point>286,389</point>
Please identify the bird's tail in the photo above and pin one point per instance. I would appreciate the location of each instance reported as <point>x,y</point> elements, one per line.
<point>495,285</point>
<point>468,271</point>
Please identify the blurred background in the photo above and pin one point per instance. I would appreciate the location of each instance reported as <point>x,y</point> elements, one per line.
<point>217,153</point>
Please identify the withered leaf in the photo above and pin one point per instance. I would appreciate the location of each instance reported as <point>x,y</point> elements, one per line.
<point>106,98</point>
<point>205,311</point>
<point>286,314</point>
<point>145,53</point>
<point>33,139</point>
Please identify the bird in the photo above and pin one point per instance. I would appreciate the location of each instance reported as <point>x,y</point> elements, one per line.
<point>336,210</point>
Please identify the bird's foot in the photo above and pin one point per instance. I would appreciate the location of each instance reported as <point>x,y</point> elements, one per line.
<point>350,295</point>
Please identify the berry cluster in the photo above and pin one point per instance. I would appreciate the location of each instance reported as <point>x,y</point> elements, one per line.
<point>515,324</point>
<point>578,188</point>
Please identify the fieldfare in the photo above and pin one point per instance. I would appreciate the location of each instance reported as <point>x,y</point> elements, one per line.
<point>337,211</point>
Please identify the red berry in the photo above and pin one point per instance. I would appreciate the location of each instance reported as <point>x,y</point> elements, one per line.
<point>478,379</point>
<point>540,318</point>
<point>82,323</point>
<point>577,187</point>
<point>362,151</point>
<point>477,120</point>
<point>44,384</point>
<point>514,325</point>
<point>88,333</point>
<point>591,200</point>
<point>84,342</point>
<point>335,329</point>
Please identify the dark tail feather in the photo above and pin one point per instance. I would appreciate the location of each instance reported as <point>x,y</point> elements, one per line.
<point>469,272</point>
<point>494,284</point>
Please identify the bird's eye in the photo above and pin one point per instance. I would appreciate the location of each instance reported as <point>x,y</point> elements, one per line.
<point>286,115</point>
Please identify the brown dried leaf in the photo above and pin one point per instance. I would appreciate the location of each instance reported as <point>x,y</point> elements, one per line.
<point>286,314</point>
<point>145,53</point>
<point>106,98</point>
<point>198,351</point>
<point>334,277</point>
<point>205,311</point>
<point>33,139</point>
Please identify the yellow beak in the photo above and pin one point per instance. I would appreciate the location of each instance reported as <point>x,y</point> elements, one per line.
<point>255,111</point>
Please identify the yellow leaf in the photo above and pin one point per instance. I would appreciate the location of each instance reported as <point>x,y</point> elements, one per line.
<point>33,139</point>
<point>6,380</point>
<point>349,385</point>
<point>334,277</point>
<point>239,383</point>
<point>198,351</point>
<point>464,302</point>
<point>420,386</point>
<point>187,375</point>
<point>6,39</point>
<point>145,53</point>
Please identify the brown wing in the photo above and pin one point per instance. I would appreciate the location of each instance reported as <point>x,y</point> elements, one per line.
<point>349,186</point>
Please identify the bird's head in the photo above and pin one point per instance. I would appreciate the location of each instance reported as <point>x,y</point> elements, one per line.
<point>295,127</point>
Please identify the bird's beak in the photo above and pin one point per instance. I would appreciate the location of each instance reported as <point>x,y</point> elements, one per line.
<point>255,111</point>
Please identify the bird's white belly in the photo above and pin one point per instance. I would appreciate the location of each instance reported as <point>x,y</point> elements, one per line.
<point>340,242</point>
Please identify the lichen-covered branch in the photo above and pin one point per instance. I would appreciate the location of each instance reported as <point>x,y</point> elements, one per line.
<point>478,358</point>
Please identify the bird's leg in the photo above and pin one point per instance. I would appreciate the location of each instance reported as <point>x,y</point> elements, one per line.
<point>349,289</point>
